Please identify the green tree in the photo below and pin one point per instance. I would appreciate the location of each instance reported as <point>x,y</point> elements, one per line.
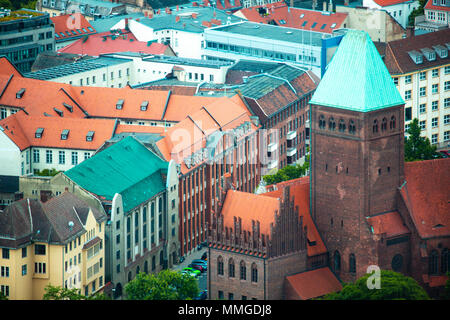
<point>288,173</point>
<point>59,293</point>
<point>393,286</point>
<point>417,147</point>
<point>446,295</point>
<point>3,297</point>
<point>166,285</point>
<point>416,12</point>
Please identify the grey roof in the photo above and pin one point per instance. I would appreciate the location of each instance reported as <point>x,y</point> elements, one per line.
<point>106,23</point>
<point>254,66</point>
<point>29,220</point>
<point>49,59</point>
<point>73,68</point>
<point>271,32</point>
<point>187,23</point>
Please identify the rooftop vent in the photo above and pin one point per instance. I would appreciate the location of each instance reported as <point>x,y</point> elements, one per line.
<point>416,56</point>
<point>144,105</point>
<point>90,136</point>
<point>441,51</point>
<point>59,112</point>
<point>71,224</point>
<point>119,104</point>
<point>68,106</point>
<point>38,133</point>
<point>65,134</point>
<point>20,93</point>
<point>429,54</point>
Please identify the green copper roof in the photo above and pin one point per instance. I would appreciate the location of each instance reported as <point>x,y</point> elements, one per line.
<point>356,78</point>
<point>127,167</point>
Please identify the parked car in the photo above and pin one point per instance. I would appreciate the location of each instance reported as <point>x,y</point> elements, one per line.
<point>200,262</point>
<point>204,256</point>
<point>197,267</point>
<point>203,295</point>
<point>194,272</point>
<point>181,259</point>
<point>445,153</point>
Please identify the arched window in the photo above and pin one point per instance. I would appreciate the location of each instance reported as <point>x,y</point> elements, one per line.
<point>397,263</point>
<point>352,263</point>
<point>433,262</point>
<point>342,125</point>
<point>375,126</point>
<point>331,124</point>
<point>337,261</point>
<point>243,271</point>
<point>392,123</point>
<point>254,273</point>
<point>129,276</point>
<point>321,122</point>
<point>220,265</point>
<point>351,127</point>
<point>445,261</point>
<point>231,268</point>
<point>384,124</point>
<point>146,266</point>
<point>138,269</point>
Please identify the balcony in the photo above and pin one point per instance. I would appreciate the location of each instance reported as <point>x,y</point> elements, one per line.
<point>291,151</point>
<point>272,164</point>
<point>291,135</point>
<point>272,147</point>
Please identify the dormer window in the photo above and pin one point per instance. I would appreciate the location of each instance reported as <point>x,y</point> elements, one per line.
<point>119,104</point>
<point>64,134</point>
<point>38,133</point>
<point>90,136</point>
<point>144,105</point>
<point>20,93</point>
<point>68,107</point>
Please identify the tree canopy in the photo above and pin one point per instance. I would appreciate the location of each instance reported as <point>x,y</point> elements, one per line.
<point>394,286</point>
<point>59,293</point>
<point>288,173</point>
<point>417,147</point>
<point>166,285</point>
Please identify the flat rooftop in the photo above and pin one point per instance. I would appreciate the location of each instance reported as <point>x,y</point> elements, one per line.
<point>271,32</point>
<point>73,68</point>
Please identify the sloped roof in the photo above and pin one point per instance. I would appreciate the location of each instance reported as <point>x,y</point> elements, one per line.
<point>21,129</point>
<point>389,223</point>
<point>426,194</point>
<point>386,3</point>
<point>248,207</point>
<point>71,26</point>
<point>398,60</point>
<point>430,6</point>
<point>108,42</point>
<point>127,167</point>
<point>281,14</point>
<point>314,283</point>
<point>355,77</point>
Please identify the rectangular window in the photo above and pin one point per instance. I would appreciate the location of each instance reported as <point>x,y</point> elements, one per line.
<point>423,75</point>
<point>62,157</point>
<point>447,119</point>
<point>435,73</point>
<point>39,249</point>
<point>422,91</point>
<point>434,122</point>
<point>24,270</point>
<point>35,156</point>
<point>24,252</point>
<point>435,88</point>
<point>408,95</point>
<point>395,81</point>
<point>447,85</point>
<point>87,155</point>
<point>49,156</point>
<point>4,272</point>
<point>5,253</point>
<point>423,108</point>
<point>407,79</point>
<point>423,124</point>
<point>74,158</point>
<point>434,138</point>
<point>447,103</point>
<point>435,106</point>
<point>447,136</point>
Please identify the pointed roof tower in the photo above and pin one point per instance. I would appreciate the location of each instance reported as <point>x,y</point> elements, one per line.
<point>357,78</point>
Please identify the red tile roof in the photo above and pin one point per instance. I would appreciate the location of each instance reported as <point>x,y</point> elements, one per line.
<point>314,283</point>
<point>426,194</point>
<point>431,6</point>
<point>21,129</point>
<point>250,207</point>
<point>390,224</point>
<point>126,41</point>
<point>223,4</point>
<point>284,16</point>
<point>299,189</point>
<point>386,3</point>
<point>70,26</point>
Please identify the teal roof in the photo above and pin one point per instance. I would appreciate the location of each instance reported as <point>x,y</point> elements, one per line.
<point>127,167</point>
<point>356,78</point>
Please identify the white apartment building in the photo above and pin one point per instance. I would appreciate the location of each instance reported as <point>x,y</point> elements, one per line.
<point>420,67</point>
<point>399,10</point>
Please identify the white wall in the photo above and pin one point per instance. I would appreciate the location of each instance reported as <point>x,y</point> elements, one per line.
<point>10,156</point>
<point>400,12</point>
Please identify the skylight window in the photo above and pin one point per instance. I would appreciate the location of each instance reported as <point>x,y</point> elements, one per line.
<point>144,105</point>
<point>302,15</point>
<point>20,93</point>
<point>65,134</point>
<point>119,104</point>
<point>323,26</point>
<point>39,132</point>
<point>304,23</point>
<point>282,22</point>
<point>333,25</point>
<point>314,25</point>
<point>90,29</point>
<point>90,136</point>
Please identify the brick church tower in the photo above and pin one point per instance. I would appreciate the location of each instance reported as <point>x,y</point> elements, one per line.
<point>357,160</point>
